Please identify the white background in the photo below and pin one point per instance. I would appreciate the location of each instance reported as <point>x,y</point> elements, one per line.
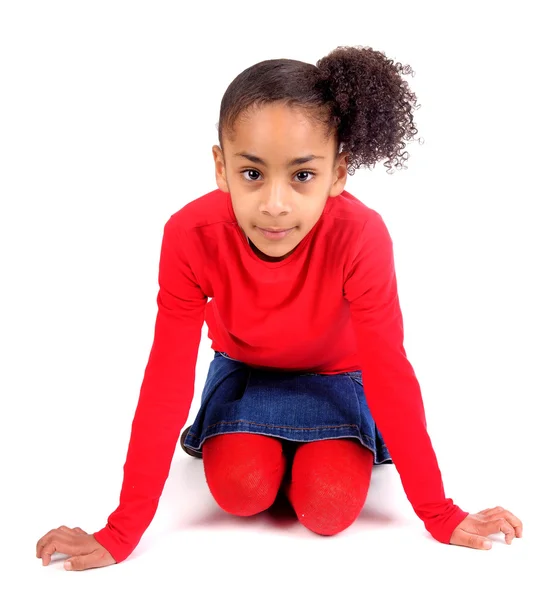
<point>108,113</point>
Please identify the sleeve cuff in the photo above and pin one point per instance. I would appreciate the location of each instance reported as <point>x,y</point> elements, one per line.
<point>442,532</point>
<point>118,551</point>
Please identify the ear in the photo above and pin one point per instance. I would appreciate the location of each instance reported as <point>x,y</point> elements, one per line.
<point>220,173</point>
<point>340,175</point>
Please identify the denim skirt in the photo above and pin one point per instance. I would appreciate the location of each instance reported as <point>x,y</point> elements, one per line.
<point>292,406</point>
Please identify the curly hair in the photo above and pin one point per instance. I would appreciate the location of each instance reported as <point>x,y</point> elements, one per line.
<point>355,91</point>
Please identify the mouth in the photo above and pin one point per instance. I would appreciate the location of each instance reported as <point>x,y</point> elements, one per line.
<point>275,234</point>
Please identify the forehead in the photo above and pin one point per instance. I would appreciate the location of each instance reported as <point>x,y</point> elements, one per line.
<point>279,129</point>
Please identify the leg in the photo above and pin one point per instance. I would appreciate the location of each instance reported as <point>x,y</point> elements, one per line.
<point>244,471</point>
<point>329,483</point>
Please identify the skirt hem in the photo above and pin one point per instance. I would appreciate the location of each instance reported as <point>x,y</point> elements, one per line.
<point>289,434</point>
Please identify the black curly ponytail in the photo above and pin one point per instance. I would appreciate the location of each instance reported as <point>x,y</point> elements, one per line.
<point>356,91</point>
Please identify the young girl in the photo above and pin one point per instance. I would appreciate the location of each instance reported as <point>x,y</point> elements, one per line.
<point>310,386</point>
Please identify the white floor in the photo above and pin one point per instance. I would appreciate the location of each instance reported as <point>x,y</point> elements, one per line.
<point>194,550</point>
<point>65,468</point>
<point>102,142</point>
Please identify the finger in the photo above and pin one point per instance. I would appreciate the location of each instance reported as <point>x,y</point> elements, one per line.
<point>490,511</point>
<point>57,543</point>
<point>42,541</point>
<point>95,559</point>
<point>513,520</point>
<point>509,516</point>
<point>59,537</point>
<point>495,526</point>
<point>471,540</point>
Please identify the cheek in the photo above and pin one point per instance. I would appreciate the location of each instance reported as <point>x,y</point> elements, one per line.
<point>247,220</point>
<point>312,213</point>
<point>242,210</point>
<point>310,221</point>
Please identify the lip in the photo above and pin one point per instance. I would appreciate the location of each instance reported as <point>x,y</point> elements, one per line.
<point>275,234</point>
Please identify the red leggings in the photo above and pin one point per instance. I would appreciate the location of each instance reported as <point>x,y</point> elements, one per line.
<point>325,481</point>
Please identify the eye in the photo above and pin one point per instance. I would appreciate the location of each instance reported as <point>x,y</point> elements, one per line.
<point>250,171</point>
<point>306,173</point>
<point>258,173</point>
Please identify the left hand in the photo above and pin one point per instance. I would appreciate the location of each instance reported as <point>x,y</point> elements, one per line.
<point>472,531</point>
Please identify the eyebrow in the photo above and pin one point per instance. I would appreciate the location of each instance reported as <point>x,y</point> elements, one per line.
<point>296,161</point>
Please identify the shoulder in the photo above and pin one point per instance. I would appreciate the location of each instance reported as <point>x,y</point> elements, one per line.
<point>209,209</point>
<point>354,220</point>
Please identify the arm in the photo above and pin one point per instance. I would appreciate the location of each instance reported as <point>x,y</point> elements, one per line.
<point>165,397</point>
<point>390,384</point>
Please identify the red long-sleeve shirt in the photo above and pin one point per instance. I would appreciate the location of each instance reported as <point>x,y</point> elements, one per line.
<point>331,306</point>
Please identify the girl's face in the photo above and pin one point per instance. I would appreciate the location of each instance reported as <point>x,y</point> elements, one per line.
<point>279,169</point>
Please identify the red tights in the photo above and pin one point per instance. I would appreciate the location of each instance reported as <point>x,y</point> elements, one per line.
<point>326,484</point>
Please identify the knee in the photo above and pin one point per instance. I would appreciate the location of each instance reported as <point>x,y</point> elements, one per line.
<point>243,482</point>
<point>330,482</point>
<point>327,512</point>
<point>244,490</point>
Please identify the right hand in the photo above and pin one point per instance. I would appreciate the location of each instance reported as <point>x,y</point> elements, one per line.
<point>84,550</point>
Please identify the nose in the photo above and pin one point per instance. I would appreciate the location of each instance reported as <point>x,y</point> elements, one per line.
<point>276,203</point>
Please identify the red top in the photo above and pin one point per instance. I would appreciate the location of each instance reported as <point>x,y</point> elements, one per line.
<point>331,306</point>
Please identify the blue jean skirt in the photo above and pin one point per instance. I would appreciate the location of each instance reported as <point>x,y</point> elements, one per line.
<point>292,406</point>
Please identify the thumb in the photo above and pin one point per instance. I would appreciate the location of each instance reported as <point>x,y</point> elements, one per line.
<point>85,561</point>
<point>471,540</point>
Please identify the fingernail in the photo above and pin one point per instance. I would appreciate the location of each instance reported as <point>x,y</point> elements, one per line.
<point>487,545</point>
<point>68,566</point>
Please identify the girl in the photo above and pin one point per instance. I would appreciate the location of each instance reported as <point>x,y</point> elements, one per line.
<point>310,386</point>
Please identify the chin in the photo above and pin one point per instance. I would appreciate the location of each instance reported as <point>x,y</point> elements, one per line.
<point>273,249</point>
<point>278,254</point>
